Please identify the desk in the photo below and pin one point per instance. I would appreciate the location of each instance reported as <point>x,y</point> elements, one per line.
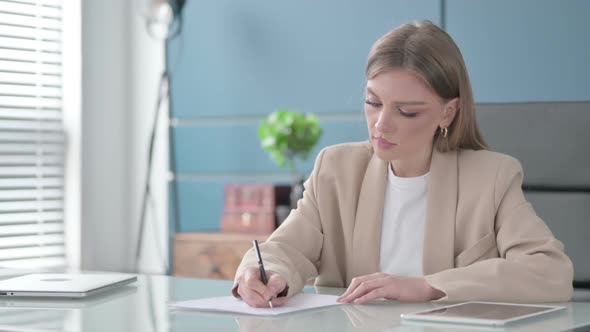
<point>142,307</point>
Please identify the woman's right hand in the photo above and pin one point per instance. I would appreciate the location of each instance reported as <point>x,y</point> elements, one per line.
<point>255,293</point>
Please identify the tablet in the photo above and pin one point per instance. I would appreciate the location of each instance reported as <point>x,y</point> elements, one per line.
<point>481,313</point>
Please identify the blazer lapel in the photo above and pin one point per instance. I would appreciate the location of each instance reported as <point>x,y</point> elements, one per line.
<point>366,242</point>
<point>441,210</point>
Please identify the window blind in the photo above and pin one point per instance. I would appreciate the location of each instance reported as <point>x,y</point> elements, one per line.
<point>31,135</point>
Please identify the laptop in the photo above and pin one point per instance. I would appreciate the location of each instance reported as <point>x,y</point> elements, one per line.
<point>64,303</point>
<point>62,285</point>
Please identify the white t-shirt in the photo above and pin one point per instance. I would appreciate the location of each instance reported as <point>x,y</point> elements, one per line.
<point>402,235</point>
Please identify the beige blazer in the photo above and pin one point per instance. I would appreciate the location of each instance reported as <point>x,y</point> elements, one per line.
<point>482,239</point>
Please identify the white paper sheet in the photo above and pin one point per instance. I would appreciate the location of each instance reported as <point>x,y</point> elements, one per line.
<point>232,305</point>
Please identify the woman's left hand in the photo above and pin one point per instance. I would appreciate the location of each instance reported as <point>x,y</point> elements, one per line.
<point>380,285</point>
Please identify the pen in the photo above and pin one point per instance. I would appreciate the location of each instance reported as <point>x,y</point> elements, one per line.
<point>261,267</point>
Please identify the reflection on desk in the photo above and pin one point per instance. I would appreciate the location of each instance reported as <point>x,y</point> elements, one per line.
<point>145,308</point>
<point>379,315</point>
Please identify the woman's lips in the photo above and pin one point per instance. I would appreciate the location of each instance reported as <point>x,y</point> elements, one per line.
<point>383,143</point>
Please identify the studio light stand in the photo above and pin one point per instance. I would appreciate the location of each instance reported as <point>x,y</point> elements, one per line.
<point>163,21</point>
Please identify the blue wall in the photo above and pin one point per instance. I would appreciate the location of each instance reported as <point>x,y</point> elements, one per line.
<point>525,50</point>
<point>236,61</point>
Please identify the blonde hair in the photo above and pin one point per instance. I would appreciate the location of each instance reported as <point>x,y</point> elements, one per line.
<point>431,53</point>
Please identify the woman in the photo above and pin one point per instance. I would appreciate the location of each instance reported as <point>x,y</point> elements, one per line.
<point>422,211</point>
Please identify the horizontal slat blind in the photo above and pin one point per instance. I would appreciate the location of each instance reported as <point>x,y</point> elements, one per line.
<point>31,135</point>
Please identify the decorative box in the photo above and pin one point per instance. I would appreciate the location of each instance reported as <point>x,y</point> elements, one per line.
<point>249,208</point>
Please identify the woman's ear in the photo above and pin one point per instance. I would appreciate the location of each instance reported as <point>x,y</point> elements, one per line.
<point>449,111</point>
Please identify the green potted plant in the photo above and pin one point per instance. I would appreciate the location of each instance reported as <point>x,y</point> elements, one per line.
<point>287,136</point>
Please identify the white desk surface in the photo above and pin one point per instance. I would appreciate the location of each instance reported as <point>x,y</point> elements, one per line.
<point>142,306</point>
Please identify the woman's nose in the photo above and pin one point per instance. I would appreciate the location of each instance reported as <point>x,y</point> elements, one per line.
<point>384,122</point>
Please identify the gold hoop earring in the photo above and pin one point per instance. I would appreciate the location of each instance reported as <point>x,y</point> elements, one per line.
<point>444,131</point>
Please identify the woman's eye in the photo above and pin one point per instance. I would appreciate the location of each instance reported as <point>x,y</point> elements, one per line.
<point>372,103</point>
<point>407,114</point>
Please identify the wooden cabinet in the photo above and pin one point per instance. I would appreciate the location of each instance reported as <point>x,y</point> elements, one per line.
<point>211,255</point>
